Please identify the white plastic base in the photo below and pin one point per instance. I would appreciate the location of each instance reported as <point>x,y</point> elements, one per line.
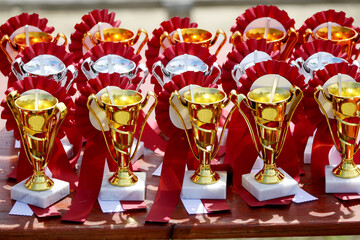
<point>41,199</point>
<point>135,192</point>
<point>335,184</point>
<point>263,192</point>
<point>192,190</point>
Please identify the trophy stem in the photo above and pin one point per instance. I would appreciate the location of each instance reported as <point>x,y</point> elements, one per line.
<point>39,182</point>
<point>123,176</point>
<point>347,168</point>
<point>204,174</point>
<point>269,174</point>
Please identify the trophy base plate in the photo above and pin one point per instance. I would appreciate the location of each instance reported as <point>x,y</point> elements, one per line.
<point>288,186</point>
<point>135,192</point>
<point>41,199</point>
<point>192,190</point>
<point>335,184</point>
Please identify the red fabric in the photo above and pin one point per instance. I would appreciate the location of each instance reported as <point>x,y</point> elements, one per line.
<point>14,23</point>
<point>347,196</point>
<point>172,175</point>
<point>88,21</point>
<point>133,205</point>
<point>45,212</point>
<point>153,50</point>
<point>215,205</point>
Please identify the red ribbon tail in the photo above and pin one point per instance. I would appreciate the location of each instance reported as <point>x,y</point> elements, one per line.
<point>75,138</point>
<point>171,180</point>
<point>91,175</point>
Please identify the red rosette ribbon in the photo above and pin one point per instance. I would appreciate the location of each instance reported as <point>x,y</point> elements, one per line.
<point>55,50</point>
<point>88,21</point>
<point>12,25</point>
<point>180,49</point>
<point>264,11</point>
<point>104,49</point>
<point>177,152</point>
<point>59,164</point>
<point>322,138</point>
<point>237,55</point>
<point>242,156</point>
<point>95,152</point>
<point>154,48</point>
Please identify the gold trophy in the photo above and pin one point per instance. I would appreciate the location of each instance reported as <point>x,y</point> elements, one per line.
<point>345,101</point>
<point>38,116</point>
<point>269,107</point>
<point>194,35</point>
<point>341,35</point>
<point>278,37</point>
<point>22,40</point>
<point>204,107</point>
<point>116,35</point>
<point>122,108</point>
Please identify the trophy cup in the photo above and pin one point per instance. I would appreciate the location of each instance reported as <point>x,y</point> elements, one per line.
<point>116,35</point>
<point>344,98</point>
<point>203,108</point>
<point>22,40</point>
<point>122,109</point>
<point>194,35</point>
<point>38,116</point>
<point>269,107</point>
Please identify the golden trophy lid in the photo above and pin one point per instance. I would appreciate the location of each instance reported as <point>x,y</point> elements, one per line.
<point>263,94</point>
<point>338,33</point>
<point>29,100</point>
<point>204,95</point>
<point>115,35</point>
<point>121,97</point>
<point>193,35</point>
<point>272,36</point>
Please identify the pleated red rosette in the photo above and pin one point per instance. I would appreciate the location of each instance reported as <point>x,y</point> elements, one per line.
<point>323,17</point>
<point>104,49</point>
<point>242,156</point>
<point>308,49</point>
<point>238,53</point>
<point>14,23</point>
<point>181,49</point>
<point>38,49</point>
<point>88,21</point>
<point>177,153</point>
<point>59,164</point>
<point>153,50</point>
<point>322,138</point>
<point>95,152</point>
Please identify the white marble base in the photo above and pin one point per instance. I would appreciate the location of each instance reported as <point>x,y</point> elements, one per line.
<point>192,190</point>
<point>263,192</point>
<point>308,150</point>
<point>335,184</point>
<point>41,199</point>
<point>135,192</point>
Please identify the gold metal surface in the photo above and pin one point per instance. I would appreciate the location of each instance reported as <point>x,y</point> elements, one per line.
<point>117,35</point>
<point>195,35</point>
<point>271,123</point>
<point>204,107</point>
<point>346,109</point>
<point>122,112</point>
<point>38,129</point>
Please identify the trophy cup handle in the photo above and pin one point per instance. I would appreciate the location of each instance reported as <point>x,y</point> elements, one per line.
<point>236,35</point>
<point>233,74</point>
<point>357,53</point>
<point>306,35</point>
<point>88,104</point>
<point>182,102</point>
<point>19,75</point>
<point>298,63</point>
<point>213,41</point>
<point>215,65</point>
<point>165,35</point>
<point>141,67</point>
<point>158,78</point>
<point>290,42</point>
<point>143,104</point>
<point>74,74</point>
<point>6,39</point>
<point>88,34</point>
<point>136,39</point>
<point>57,38</point>
<point>89,74</point>
<point>240,98</point>
<point>318,89</point>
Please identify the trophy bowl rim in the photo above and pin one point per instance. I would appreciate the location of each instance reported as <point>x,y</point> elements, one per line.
<point>198,88</point>
<point>33,110</point>
<point>343,83</point>
<point>269,103</point>
<point>123,90</point>
<point>355,34</point>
